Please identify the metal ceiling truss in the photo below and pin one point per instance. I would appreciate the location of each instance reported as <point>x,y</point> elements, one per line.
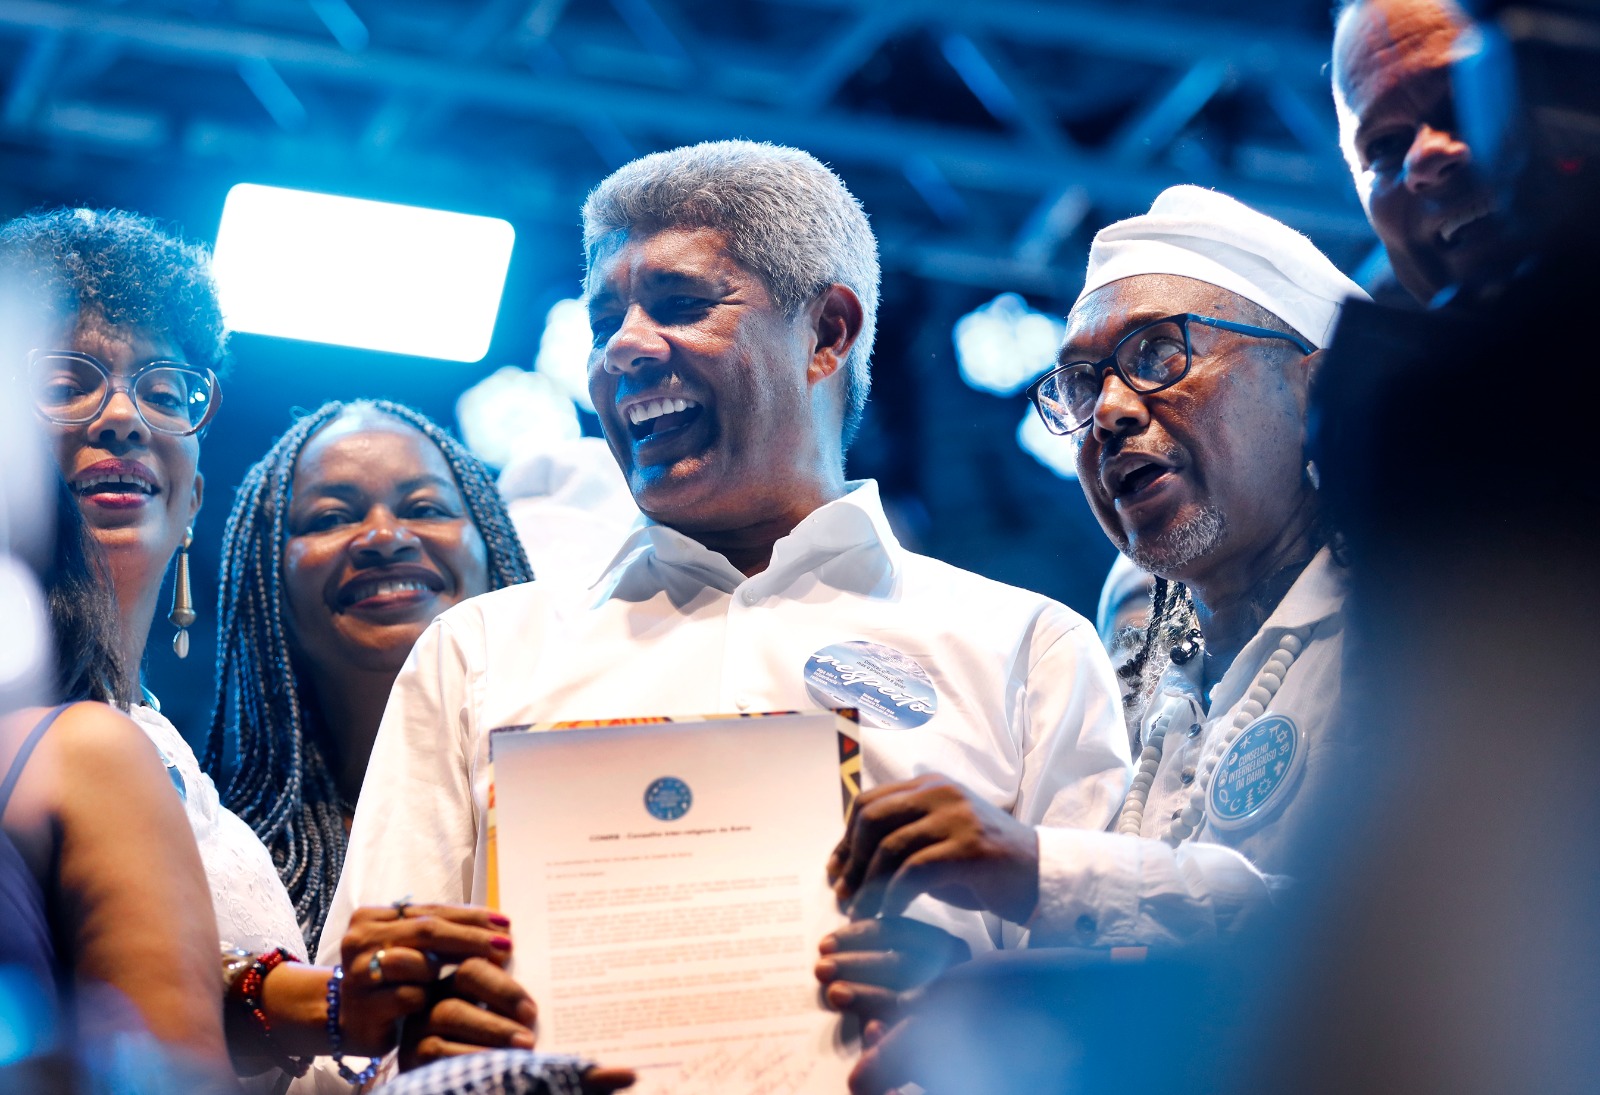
<point>954,121</point>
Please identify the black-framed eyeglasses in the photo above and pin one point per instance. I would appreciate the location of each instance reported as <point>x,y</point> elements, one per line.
<point>71,388</point>
<point>1148,359</point>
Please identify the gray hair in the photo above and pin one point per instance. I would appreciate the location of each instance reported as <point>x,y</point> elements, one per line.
<point>786,216</point>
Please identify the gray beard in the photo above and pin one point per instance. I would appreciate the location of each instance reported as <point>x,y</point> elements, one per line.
<point>1182,544</point>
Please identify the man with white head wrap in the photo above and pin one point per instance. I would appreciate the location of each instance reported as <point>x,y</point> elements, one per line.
<point>1191,434</point>
<point>1184,378</point>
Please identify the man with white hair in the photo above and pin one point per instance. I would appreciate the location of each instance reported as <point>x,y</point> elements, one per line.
<point>1184,378</point>
<point>732,289</point>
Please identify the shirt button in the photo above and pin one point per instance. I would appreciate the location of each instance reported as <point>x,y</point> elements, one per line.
<point>1086,924</point>
<point>1188,777</point>
<point>748,597</point>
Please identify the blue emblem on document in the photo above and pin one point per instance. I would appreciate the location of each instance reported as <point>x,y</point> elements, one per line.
<point>668,798</point>
<point>1255,770</point>
<point>889,688</point>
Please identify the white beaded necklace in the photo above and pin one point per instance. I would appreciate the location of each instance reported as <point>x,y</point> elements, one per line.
<point>1261,692</point>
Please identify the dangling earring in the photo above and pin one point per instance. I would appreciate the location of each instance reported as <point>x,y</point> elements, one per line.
<point>182,614</point>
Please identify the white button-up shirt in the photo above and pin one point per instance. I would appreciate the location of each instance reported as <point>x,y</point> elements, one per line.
<point>1027,713</point>
<point>1111,889</point>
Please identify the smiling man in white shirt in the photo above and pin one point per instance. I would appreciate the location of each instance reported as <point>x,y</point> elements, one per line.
<point>732,289</point>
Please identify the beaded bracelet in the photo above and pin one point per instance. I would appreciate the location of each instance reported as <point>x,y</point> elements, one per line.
<point>245,989</point>
<point>336,1037</point>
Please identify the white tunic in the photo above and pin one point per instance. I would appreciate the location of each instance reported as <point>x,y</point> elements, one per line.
<point>1027,709</point>
<point>1110,889</point>
<point>253,909</point>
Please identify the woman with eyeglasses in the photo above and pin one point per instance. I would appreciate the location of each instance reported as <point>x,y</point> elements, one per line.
<point>126,339</point>
<point>122,337</point>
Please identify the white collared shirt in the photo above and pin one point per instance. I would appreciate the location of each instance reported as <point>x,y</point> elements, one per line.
<point>1027,708</point>
<point>1109,889</point>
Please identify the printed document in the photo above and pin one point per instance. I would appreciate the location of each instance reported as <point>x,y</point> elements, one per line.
<point>665,883</point>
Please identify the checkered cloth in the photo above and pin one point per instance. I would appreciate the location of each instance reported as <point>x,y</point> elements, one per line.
<point>495,1072</point>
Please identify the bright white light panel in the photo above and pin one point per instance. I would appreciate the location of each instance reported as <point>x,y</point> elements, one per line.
<point>354,272</point>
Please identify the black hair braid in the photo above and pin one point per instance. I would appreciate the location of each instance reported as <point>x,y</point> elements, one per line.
<point>1172,614</point>
<point>281,783</point>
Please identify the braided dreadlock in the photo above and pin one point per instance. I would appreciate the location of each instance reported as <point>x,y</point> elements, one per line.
<point>281,784</point>
<point>1172,616</point>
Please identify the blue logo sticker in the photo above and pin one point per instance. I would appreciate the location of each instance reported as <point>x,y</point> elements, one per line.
<point>889,688</point>
<point>668,798</point>
<point>1256,767</point>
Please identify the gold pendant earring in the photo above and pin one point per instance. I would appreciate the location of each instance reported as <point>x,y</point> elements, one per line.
<point>182,615</point>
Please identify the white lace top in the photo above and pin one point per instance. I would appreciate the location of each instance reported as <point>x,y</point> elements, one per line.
<point>253,909</point>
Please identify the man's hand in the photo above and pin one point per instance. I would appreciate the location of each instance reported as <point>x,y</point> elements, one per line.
<point>478,1007</point>
<point>887,1061</point>
<point>931,835</point>
<point>868,965</point>
<point>603,1081</point>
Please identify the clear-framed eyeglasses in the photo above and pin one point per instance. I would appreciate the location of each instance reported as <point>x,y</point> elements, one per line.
<point>1150,358</point>
<point>71,388</point>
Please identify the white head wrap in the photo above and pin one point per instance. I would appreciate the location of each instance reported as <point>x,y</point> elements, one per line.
<point>1201,234</point>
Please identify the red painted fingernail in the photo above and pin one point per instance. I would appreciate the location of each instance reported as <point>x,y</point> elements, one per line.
<point>500,920</point>
<point>500,942</point>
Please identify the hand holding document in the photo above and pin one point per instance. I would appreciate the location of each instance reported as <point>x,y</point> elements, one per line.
<point>666,880</point>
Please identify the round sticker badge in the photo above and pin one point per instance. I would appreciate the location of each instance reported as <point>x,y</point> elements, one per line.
<point>1255,771</point>
<point>889,688</point>
<point>668,798</point>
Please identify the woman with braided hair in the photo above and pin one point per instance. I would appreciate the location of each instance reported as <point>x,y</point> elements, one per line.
<point>113,326</point>
<point>363,523</point>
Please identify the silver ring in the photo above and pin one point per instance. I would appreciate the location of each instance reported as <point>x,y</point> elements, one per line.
<point>375,966</point>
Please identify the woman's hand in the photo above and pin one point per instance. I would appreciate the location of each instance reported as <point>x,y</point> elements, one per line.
<point>393,956</point>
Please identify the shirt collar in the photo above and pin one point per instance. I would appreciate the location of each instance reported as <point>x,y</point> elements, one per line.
<point>1314,597</point>
<point>1317,594</point>
<point>854,520</point>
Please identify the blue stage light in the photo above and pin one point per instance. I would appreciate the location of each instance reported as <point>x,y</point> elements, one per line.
<point>1059,454</point>
<point>27,1023</point>
<point>1004,344</point>
<point>353,272</point>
